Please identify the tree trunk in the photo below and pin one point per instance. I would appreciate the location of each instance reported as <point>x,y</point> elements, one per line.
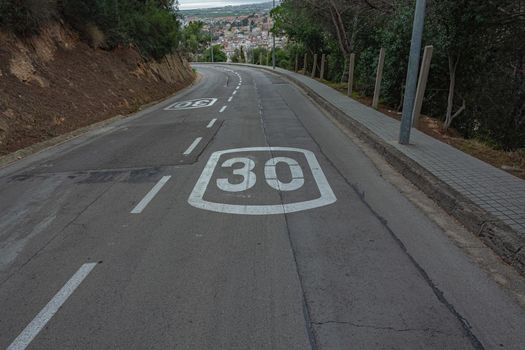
<point>344,76</point>
<point>340,31</point>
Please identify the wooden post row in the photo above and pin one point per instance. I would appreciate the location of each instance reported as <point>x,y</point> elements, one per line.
<point>305,64</point>
<point>315,66</point>
<point>323,59</point>
<point>351,70</point>
<point>379,77</point>
<point>422,85</point>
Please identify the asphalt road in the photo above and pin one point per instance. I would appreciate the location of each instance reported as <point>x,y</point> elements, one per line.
<point>242,219</point>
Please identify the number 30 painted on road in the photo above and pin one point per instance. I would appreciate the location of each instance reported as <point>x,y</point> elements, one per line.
<point>270,172</point>
<point>324,196</point>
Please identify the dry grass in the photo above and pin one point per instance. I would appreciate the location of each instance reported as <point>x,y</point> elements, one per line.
<point>96,38</point>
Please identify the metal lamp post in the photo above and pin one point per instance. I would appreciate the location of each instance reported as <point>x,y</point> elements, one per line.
<point>211,44</point>
<point>273,45</point>
<point>413,69</point>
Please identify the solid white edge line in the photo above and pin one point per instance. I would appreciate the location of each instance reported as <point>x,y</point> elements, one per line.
<point>192,146</point>
<point>211,123</point>
<point>39,322</point>
<point>151,194</point>
<point>223,109</point>
<point>230,99</point>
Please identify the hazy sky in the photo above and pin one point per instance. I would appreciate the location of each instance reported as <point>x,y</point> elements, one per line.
<point>199,4</point>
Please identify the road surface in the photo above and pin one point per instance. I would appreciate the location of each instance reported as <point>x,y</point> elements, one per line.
<point>235,215</point>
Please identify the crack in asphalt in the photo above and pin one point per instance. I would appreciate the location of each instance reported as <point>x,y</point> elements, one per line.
<point>306,309</point>
<point>387,328</point>
<point>46,244</point>
<point>467,328</point>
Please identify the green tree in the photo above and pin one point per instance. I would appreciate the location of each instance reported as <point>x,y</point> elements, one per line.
<point>218,54</point>
<point>238,56</point>
<point>150,25</point>
<point>194,39</point>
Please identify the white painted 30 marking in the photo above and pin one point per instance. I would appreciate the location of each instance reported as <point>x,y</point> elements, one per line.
<point>191,104</point>
<point>248,176</point>
<point>249,180</point>
<point>270,172</point>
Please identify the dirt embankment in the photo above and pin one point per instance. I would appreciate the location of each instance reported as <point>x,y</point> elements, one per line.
<point>54,83</point>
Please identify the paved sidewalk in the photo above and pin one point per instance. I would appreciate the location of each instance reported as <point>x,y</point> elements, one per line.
<point>494,190</point>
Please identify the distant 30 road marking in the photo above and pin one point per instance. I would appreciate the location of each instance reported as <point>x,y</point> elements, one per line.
<point>191,104</point>
<point>151,194</point>
<point>39,322</point>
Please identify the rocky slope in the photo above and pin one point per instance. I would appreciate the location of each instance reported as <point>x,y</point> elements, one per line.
<point>54,83</point>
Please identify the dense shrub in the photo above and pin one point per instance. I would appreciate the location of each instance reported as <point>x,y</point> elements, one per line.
<point>16,15</point>
<point>218,54</point>
<point>150,25</point>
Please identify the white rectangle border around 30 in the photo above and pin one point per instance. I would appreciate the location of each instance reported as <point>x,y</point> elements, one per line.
<point>327,197</point>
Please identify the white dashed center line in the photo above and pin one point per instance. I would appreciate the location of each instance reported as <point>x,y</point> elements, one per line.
<point>43,317</point>
<point>230,99</point>
<point>192,146</point>
<point>151,194</point>
<point>212,122</point>
<point>223,109</point>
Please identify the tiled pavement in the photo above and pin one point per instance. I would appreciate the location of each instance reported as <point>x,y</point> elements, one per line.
<point>496,191</point>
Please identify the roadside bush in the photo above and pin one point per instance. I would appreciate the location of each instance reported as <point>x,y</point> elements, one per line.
<point>151,25</point>
<point>218,54</point>
<point>96,37</point>
<point>16,15</point>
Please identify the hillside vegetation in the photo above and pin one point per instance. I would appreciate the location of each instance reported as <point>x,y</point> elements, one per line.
<point>71,63</point>
<point>150,25</point>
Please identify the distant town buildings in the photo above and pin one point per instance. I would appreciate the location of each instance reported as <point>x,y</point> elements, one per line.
<point>246,31</point>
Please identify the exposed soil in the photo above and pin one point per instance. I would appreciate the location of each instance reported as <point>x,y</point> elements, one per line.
<point>54,83</point>
<point>511,162</point>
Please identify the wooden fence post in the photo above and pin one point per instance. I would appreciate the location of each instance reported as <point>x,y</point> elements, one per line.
<point>351,74</point>
<point>305,69</point>
<point>379,77</point>
<point>422,85</point>
<point>315,66</point>
<point>260,58</point>
<point>296,63</point>
<point>323,59</point>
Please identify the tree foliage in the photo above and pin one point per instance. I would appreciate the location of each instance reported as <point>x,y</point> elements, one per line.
<point>151,25</point>
<point>477,79</point>
<point>193,38</point>
<point>17,15</point>
<point>218,54</point>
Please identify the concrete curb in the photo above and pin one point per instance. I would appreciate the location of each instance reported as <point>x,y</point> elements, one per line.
<point>501,238</point>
